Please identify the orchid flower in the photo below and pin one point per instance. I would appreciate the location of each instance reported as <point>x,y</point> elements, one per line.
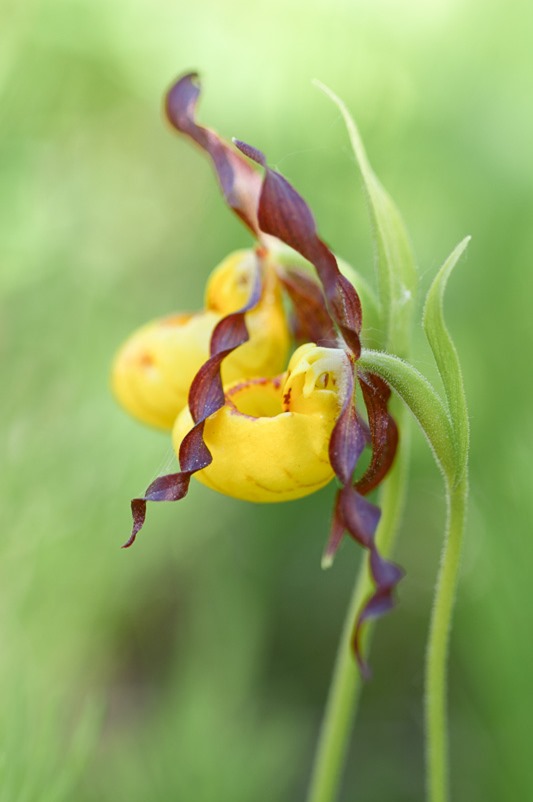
<point>252,422</point>
<point>242,424</point>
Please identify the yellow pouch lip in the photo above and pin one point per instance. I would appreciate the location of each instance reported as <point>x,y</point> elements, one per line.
<point>279,456</point>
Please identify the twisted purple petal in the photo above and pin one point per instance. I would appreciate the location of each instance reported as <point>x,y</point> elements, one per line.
<point>310,319</point>
<point>383,431</point>
<point>240,183</point>
<point>360,518</point>
<point>284,214</point>
<point>206,396</point>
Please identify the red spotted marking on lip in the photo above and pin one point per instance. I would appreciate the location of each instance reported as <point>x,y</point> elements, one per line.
<point>258,381</point>
<point>146,360</point>
<point>238,388</point>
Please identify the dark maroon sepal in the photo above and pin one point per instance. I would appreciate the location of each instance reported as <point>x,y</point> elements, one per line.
<point>383,431</point>
<point>347,443</point>
<point>360,519</point>
<point>347,440</point>
<point>386,575</point>
<point>138,513</point>
<point>359,516</point>
<point>311,322</point>
<point>252,153</point>
<point>336,534</point>
<point>284,214</point>
<point>194,454</point>
<point>365,430</point>
<point>240,183</point>
<point>206,397</point>
<point>378,605</point>
<point>353,514</point>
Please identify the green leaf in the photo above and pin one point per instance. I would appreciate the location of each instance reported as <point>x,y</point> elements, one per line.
<point>447,359</point>
<point>421,398</point>
<point>397,276</point>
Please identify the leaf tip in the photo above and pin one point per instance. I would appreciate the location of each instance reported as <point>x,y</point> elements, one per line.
<point>326,90</point>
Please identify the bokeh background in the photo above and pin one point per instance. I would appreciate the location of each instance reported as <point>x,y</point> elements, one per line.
<point>195,666</point>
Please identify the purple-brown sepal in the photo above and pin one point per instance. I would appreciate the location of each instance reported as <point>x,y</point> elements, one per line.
<point>240,183</point>
<point>206,397</point>
<point>284,214</point>
<point>383,431</point>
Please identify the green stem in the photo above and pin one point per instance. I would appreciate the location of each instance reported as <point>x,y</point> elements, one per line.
<point>437,653</point>
<point>345,687</point>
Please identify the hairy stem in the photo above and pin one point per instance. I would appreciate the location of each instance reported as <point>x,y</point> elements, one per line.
<point>345,687</point>
<point>437,653</point>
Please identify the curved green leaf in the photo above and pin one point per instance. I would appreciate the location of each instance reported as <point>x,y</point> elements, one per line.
<point>447,359</point>
<point>421,398</point>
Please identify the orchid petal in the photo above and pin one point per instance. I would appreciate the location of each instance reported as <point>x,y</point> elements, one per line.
<point>348,438</point>
<point>311,321</point>
<point>360,518</point>
<point>284,214</point>
<point>240,183</point>
<point>383,431</point>
<point>205,397</point>
<point>336,535</point>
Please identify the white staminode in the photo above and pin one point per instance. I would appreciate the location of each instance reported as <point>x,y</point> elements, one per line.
<point>323,368</point>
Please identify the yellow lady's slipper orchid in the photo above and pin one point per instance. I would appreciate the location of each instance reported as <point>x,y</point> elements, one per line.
<point>248,430</point>
<point>153,370</point>
<point>270,440</point>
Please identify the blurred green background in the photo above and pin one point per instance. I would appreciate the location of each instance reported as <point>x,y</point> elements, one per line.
<point>195,666</point>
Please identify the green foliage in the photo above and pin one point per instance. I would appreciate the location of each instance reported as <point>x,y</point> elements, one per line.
<point>447,361</point>
<point>395,266</point>
<point>106,219</point>
<point>444,425</point>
